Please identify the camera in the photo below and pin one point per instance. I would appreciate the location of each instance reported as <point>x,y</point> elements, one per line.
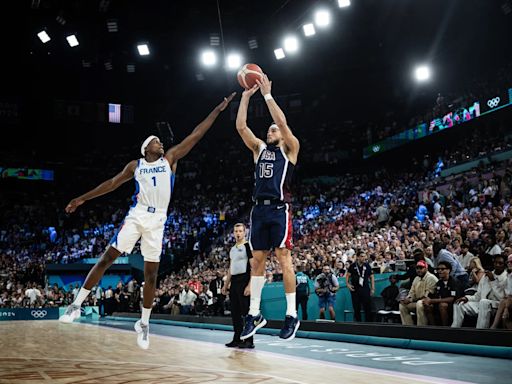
<point>325,283</point>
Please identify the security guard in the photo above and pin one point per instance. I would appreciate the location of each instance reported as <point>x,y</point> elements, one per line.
<point>238,283</point>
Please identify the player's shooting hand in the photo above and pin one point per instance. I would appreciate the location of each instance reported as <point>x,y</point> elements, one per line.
<point>249,92</point>
<point>73,205</point>
<point>265,85</point>
<point>223,105</point>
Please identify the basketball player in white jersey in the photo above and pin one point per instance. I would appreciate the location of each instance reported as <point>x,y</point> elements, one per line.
<point>154,181</point>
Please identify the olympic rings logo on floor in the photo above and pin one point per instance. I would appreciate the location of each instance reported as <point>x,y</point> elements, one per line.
<point>492,103</point>
<point>39,314</point>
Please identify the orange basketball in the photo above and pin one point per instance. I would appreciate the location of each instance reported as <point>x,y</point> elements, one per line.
<point>248,75</point>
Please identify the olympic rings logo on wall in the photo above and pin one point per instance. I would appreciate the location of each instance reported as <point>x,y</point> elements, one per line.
<point>39,314</point>
<point>493,103</point>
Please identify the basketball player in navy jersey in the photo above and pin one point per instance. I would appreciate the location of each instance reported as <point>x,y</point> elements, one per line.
<point>154,182</point>
<point>271,215</point>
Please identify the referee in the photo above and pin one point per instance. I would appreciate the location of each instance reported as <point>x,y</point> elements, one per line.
<point>238,283</point>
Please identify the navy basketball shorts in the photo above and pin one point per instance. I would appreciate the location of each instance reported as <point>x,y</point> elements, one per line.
<point>271,227</point>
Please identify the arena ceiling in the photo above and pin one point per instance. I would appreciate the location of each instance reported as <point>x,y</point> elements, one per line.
<point>364,59</point>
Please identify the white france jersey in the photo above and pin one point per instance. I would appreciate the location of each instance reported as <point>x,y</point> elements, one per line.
<point>154,183</point>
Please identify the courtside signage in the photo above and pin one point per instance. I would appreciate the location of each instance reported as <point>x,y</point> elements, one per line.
<point>7,314</point>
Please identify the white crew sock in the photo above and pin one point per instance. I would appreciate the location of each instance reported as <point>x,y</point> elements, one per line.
<point>290,304</point>
<point>257,283</point>
<point>146,312</point>
<point>82,295</point>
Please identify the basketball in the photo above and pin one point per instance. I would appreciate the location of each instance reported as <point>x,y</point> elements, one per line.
<point>248,75</point>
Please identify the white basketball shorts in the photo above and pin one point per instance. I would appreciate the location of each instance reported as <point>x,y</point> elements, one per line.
<point>142,224</point>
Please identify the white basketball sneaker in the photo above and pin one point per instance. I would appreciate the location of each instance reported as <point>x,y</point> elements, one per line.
<point>142,334</point>
<point>72,313</point>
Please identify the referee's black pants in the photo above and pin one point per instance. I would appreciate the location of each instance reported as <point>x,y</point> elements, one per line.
<point>302,301</point>
<point>239,303</point>
<point>362,297</point>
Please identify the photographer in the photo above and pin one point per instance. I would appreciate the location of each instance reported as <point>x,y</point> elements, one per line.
<point>361,283</point>
<point>326,285</point>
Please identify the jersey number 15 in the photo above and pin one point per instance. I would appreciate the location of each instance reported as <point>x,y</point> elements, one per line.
<point>266,170</point>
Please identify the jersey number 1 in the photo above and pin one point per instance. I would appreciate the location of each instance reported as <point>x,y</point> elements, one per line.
<point>154,181</point>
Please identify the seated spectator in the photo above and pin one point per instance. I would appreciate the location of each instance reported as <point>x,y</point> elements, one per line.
<point>411,274</point>
<point>172,305</point>
<point>187,299</point>
<point>475,274</point>
<point>491,290</point>
<point>390,294</point>
<point>423,285</point>
<point>465,256</point>
<point>441,254</point>
<point>440,303</point>
<point>34,295</point>
<point>505,307</point>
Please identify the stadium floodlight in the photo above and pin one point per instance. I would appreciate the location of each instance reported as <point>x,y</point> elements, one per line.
<point>72,40</point>
<point>112,25</point>
<point>214,39</point>
<point>291,44</point>
<point>279,53</point>
<point>60,19</point>
<point>422,73</point>
<point>343,3</point>
<point>143,49</point>
<point>253,43</point>
<point>43,36</point>
<point>309,29</point>
<point>322,18</point>
<point>234,61</point>
<point>209,58</point>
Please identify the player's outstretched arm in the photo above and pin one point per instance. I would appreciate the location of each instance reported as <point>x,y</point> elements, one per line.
<point>291,142</point>
<point>250,140</point>
<point>182,149</point>
<point>105,187</point>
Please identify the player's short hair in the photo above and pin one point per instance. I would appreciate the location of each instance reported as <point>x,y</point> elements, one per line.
<point>239,225</point>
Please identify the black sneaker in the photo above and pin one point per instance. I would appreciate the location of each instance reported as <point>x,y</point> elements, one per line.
<point>252,324</point>
<point>233,344</point>
<point>246,344</point>
<point>290,327</point>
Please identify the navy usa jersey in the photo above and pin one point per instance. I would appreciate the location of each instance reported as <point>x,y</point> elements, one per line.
<point>273,174</point>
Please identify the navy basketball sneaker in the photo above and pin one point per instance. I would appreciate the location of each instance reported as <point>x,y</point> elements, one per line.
<point>252,324</point>
<point>290,327</point>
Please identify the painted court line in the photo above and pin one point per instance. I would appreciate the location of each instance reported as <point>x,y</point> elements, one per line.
<point>185,367</point>
<point>355,368</point>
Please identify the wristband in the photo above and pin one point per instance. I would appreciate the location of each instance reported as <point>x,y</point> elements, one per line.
<point>267,97</point>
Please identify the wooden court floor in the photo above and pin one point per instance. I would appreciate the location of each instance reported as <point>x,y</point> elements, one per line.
<point>49,352</point>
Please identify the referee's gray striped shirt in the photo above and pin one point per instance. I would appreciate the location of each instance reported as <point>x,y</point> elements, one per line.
<point>239,259</point>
